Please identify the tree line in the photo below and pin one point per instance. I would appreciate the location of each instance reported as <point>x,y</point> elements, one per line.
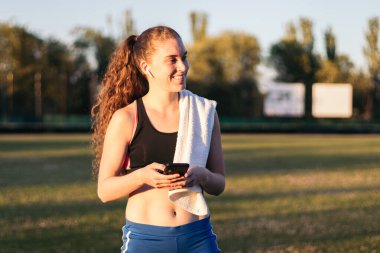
<point>41,77</point>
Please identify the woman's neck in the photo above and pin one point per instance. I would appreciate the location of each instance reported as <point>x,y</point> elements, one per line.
<point>161,101</point>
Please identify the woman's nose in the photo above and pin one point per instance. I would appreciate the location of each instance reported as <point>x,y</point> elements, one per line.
<point>182,66</point>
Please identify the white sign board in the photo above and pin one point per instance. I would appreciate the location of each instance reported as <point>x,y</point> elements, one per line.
<point>332,100</point>
<point>285,100</point>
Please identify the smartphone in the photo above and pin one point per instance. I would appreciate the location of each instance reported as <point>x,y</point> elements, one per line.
<point>176,168</point>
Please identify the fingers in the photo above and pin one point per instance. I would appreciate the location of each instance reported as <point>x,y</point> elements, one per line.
<point>177,185</point>
<point>156,166</point>
<point>173,187</point>
<point>160,169</point>
<point>184,183</point>
<point>196,176</point>
<point>159,180</point>
<point>161,185</point>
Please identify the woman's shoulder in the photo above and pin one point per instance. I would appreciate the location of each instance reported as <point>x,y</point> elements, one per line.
<point>123,119</point>
<point>126,113</point>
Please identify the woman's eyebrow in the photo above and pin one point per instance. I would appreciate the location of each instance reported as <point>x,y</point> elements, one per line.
<point>174,55</point>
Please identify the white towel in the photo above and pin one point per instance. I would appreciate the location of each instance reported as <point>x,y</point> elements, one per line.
<point>193,144</point>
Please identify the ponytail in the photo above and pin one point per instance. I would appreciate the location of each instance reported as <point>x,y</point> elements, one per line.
<point>122,84</point>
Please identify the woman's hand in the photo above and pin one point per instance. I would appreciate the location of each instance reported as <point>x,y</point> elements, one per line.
<point>151,176</point>
<point>194,176</point>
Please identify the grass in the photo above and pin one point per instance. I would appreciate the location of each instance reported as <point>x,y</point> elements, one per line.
<point>285,193</point>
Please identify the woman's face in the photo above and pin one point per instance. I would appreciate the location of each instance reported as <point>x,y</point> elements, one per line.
<point>168,65</point>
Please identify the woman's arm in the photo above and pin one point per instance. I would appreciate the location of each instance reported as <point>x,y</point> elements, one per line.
<point>111,185</point>
<point>119,133</point>
<point>212,179</point>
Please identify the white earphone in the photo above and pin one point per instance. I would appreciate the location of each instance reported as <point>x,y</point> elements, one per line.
<point>149,73</point>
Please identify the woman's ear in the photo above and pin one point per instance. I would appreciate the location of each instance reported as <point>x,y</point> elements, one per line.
<point>145,68</point>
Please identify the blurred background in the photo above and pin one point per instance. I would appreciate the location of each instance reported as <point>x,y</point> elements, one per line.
<point>295,66</point>
<point>298,89</point>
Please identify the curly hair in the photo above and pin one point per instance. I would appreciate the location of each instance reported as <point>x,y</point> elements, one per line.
<point>123,82</point>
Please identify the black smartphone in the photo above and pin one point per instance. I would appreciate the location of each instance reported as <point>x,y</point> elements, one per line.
<point>176,168</point>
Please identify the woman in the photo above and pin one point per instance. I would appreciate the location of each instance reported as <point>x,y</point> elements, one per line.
<point>136,122</point>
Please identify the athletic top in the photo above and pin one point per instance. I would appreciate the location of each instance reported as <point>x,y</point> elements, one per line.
<point>149,145</point>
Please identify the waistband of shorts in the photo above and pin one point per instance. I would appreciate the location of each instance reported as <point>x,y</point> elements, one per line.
<point>200,225</point>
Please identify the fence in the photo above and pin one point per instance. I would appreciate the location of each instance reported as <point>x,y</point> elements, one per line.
<point>81,123</point>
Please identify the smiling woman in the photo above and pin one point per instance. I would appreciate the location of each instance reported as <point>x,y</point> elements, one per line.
<point>142,119</point>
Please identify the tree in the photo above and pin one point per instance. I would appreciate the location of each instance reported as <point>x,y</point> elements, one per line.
<point>198,25</point>
<point>227,57</point>
<point>45,75</point>
<point>294,59</point>
<point>80,91</point>
<point>307,41</point>
<point>330,44</point>
<point>66,80</point>
<point>92,41</point>
<point>335,68</point>
<point>57,66</point>
<point>372,53</point>
<point>223,67</point>
<point>39,76</point>
<point>20,55</point>
<point>129,25</point>
<point>337,71</point>
<point>290,33</point>
<point>287,59</point>
<point>362,98</point>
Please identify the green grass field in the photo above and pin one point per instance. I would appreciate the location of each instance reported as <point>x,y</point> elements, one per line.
<point>285,193</point>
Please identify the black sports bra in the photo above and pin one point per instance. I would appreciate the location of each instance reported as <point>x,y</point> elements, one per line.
<point>149,145</point>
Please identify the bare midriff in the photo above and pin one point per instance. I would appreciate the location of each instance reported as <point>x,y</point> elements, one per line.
<point>152,206</point>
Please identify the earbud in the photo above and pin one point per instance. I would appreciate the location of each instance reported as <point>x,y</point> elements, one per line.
<point>149,73</point>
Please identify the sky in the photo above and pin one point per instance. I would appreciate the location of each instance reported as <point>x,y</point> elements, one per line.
<point>266,20</point>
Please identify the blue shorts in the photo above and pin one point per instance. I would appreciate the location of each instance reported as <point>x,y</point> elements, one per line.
<point>194,237</point>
